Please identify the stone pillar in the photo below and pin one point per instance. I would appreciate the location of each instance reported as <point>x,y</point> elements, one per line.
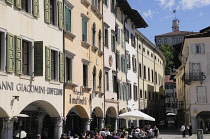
<point>116,124</point>
<point>58,127</point>
<point>87,123</point>
<point>126,121</point>
<point>40,123</point>
<point>101,123</point>
<point>7,130</point>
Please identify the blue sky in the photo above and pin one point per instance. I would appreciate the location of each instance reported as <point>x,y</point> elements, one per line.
<point>194,15</point>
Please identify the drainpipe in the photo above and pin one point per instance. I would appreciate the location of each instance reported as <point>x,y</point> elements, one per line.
<point>64,65</point>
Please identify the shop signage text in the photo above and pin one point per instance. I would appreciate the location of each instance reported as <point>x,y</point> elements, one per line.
<point>20,87</point>
<point>79,99</point>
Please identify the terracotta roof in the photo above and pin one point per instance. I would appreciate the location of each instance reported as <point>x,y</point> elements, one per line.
<point>176,33</point>
<point>169,79</point>
<point>205,29</point>
<point>198,35</point>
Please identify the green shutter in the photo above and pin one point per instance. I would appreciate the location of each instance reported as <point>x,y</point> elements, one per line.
<point>10,53</point>
<point>18,55</point>
<point>47,11</point>
<point>61,67</point>
<point>38,58</point>
<point>47,63</point>
<point>84,30</point>
<point>36,8</point>
<point>10,1</point>
<point>18,4</point>
<point>60,15</point>
<point>68,18</point>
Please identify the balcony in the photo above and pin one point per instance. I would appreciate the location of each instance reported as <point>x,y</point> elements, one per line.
<point>193,76</point>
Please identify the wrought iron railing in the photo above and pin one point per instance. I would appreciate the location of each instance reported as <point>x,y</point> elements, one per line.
<point>195,76</point>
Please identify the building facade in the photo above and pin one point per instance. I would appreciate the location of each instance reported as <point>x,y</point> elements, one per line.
<point>195,70</point>
<point>32,69</point>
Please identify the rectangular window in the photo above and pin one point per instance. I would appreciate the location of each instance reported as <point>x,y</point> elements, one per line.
<point>52,12</point>
<point>127,36</point>
<point>140,72</point>
<point>145,94</point>
<point>159,40</point>
<point>113,43</point>
<point>199,49</point>
<point>105,2</point>
<point>148,74</point>
<point>54,65</point>
<point>156,77</point>
<point>114,83</point>
<point>85,75</point>
<point>141,95</point>
<point>130,91</point>
<point>68,69</point>
<point>173,39</point>
<point>25,57</point>
<point>112,6</point>
<point>106,37</point>
<point>201,94</point>
<point>165,40</point>
<point>25,4</point>
<point>180,39</point>
<point>134,63</point>
<point>84,30</point>
<point>68,19</point>
<point>2,51</point>
<point>145,72</point>
<point>152,76</point>
<point>129,61</point>
<point>106,80</point>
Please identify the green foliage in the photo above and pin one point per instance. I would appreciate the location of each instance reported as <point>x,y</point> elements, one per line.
<point>168,51</point>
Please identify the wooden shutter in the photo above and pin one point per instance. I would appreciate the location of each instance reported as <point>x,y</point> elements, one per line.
<point>125,65</point>
<point>10,1</point>
<point>84,30</point>
<point>68,18</point>
<point>47,63</point>
<point>18,55</point>
<point>10,53</point>
<point>38,58</point>
<point>47,11</point>
<point>18,4</point>
<point>36,8</point>
<point>61,67</point>
<point>60,14</point>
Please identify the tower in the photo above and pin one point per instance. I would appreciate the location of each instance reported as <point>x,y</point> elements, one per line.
<point>175,25</point>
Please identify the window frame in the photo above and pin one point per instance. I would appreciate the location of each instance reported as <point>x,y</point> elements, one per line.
<point>70,56</point>
<point>106,74</point>
<point>69,7</point>
<point>3,50</point>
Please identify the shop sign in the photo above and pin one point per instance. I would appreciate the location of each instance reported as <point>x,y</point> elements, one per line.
<point>20,87</point>
<point>79,99</point>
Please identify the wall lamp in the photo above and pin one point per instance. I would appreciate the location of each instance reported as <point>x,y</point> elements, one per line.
<point>16,97</point>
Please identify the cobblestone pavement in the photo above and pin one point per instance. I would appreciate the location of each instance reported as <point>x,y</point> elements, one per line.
<point>176,134</point>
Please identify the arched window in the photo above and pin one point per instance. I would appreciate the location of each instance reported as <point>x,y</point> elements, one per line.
<point>94,78</point>
<point>94,34</point>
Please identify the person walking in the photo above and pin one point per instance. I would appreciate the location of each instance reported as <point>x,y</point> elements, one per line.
<point>183,130</point>
<point>190,129</point>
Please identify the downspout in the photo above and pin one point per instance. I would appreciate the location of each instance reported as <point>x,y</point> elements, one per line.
<point>64,65</point>
<point>142,61</point>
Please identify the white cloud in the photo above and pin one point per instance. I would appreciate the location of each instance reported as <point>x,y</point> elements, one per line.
<point>166,3</point>
<point>200,14</point>
<point>148,13</point>
<point>190,4</point>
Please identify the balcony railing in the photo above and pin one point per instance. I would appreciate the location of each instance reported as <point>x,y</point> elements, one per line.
<point>194,76</point>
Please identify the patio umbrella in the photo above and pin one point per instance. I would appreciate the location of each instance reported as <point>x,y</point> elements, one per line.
<point>21,115</point>
<point>22,134</point>
<point>170,114</point>
<point>136,115</point>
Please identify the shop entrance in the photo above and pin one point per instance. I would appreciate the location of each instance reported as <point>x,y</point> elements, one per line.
<point>203,121</point>
<point>76,120</point>
<point>3,115</point>
<point>111,116</point>
<point>36,118</point>
<point>97,119</point>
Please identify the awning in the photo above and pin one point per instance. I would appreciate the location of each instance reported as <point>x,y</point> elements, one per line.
<point>170,114</point>
<point>136,115</point>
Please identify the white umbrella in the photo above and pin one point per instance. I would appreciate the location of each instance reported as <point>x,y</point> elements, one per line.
<point>170,114</point>
<point>21,134</point>
<point>136,115</point>
<point>21,115</point>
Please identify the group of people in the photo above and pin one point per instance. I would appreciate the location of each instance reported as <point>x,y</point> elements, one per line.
<point>186,127</point>
<point>132,133</point>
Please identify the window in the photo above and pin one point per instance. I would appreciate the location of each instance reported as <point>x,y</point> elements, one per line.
<point>99,41</point>
<point>114,78</point>
<point>67,19</point>
<point>134,63</point>
<point>94,34</point>
<point>149,95</point>
<point>105,2</point>
<point>152,76</point>
<point>129,61</point>
<point>201,94</point>
<point>135,93</point>
<point>145,94</point>
<point>148,74</point>
<point>96,3</point>
<point>141,95</point>
<point>132,40</point>
<point>143,49</point>
<point>100,81</point>
<point>199,49</point>
<point>156,77</point>
<point>112,6</point>
<point>165,40</point>
<point>180,39</point>
<point>147,52</point>
<point>113,43</point>
<point>94,78</point>
<point>2,51</point>
<point>159,40</point>
<point>140,47</point>
<point>54,65</point>
<point>140,72</point>
<point>106,80</point>
<point>85,75</point>
<point>126,35</point>
<point>52,12</point>
<point>106,37</point>
<point>173,39</point>
<point>84,30</point>
<point>144,72</point>
<point>25,4</point>
<point>26,47</point>
<point>117,32</point>
<point>129,91</point>
<point>68,69</point>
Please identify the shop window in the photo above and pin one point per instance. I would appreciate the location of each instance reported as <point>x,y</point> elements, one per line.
<point>106,37</point>
<point>85,75</point>
<point>107,80</point>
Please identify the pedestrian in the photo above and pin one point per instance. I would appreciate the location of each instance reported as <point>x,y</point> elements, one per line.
<point>38,136</point>
<point>190,129</point>
<point>183,130</point>
<point>63,136</point>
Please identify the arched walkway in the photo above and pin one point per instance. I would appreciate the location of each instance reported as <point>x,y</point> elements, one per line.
<point>3,113</point>
<point>97,121</point>
<point>111,118</point>
<point>203,121</point>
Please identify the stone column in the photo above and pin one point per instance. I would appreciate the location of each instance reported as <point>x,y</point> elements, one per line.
<point>126,121</point>
<point>7,130</point>
<point>40,123</point>
<point>87,123</point>
<point>116,124</point>
<point>101,123</point>
<point>58,127</point>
